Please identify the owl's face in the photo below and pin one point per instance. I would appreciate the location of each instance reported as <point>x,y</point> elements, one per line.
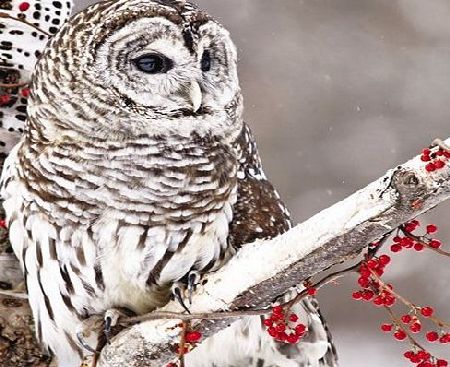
<point>152,66</point>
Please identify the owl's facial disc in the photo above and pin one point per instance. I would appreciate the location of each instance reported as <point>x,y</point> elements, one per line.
<point>149,63</point>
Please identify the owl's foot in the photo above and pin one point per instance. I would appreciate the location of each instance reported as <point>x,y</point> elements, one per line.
<point>111,319</point>
<point>185,288</point>
<point>102,326</point>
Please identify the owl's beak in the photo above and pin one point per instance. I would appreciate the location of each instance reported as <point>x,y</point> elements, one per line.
<point>195,95</point>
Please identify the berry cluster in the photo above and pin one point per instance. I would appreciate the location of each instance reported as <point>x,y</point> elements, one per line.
<point>374,290</point>
<point>415,242</point>
<point>424,359</point>
<point>284,328</point>
<point>435,160</point>
<point>371,289</point>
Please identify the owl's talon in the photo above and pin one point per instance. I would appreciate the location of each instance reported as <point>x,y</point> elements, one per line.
<point>80,337</point>
<point>111,319</point>
<point>177,293</point>
<point>193,280</point>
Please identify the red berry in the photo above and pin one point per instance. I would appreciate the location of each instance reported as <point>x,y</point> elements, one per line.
<point>277,310</point>
<point>384,259</point>
<point>172,365</point>
<point>415,327</point>
<point>396,248</point>
<point>282,336</point>
<point>3,223</point>
<point>425,158</point>
<point>386,327</point>
<point>268,322</point>
<point>300,329</point>
<point>389,301</point>
<point>435,243</point>
<point>426,311</point>
<point>445,339</point>
<point>407,242</point>
<point>272,332</point>
<point>430,167</point>
<point>397,239</point>
<point>24,6</point>
<point>357,295</point>
<point>312,291</point>
<point>363,282</point>
<point>426,151</point>
<point>410,227</point>
<point>418,247</point>
<point>367,295</point>
<point>406,319</point>
<point>432,336</point>
<point>415,358</point>
<point>431,228</point>
<point>439,164</point>
<point>400,335</point>
<point>280,327</point>
<point>293,317</point>
<point>441,363</point>
<point>424,356</point>
<point>193,336</point>
<point>408,354</point>
<point>293,339</point>
<point>372,264</point>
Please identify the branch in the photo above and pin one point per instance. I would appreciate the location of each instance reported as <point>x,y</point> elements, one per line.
<point>264,270</point>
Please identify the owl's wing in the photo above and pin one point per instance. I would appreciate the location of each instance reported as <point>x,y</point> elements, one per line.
<point>260,213</point>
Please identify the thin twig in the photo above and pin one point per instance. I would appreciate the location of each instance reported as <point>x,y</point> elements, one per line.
<point>182,344</point>
<point>6,15</point>
<point>419,240</point>
<point>406,302</point>
<point>398,324</point>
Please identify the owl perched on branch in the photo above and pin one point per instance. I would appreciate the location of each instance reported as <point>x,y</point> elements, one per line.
<point>136,173</point>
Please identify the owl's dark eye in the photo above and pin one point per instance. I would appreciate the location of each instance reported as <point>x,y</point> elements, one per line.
<point>206,61</point>
<point>153,63</point>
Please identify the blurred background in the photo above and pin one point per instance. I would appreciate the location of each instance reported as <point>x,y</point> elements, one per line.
<point>337,92</point>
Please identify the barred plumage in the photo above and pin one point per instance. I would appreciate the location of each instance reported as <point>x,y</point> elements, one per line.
<point>127,179</point>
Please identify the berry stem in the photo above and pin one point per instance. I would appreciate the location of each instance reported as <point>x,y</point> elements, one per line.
<point>182,345</point>
<point>398,324</point>
<point>419,240</point>
<point>440,323</point>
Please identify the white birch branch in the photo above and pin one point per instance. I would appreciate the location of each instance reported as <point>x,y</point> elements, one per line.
<point>263,270</point>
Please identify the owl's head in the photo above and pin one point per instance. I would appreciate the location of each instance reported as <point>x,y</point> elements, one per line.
<point>127,68</point>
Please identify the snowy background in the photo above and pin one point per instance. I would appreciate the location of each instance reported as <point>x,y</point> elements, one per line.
<point>337,92</point>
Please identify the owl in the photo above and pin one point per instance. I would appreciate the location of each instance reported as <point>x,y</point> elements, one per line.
<point>136,173</point>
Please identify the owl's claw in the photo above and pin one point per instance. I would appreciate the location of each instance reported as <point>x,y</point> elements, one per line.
<point>80,337</point>
<point>111,319</point>
<point>186,287</point>
<point>193,280</point>
<point>177,293</point>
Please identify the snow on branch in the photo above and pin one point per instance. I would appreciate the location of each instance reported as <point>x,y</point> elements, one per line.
<point>266,269</point>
